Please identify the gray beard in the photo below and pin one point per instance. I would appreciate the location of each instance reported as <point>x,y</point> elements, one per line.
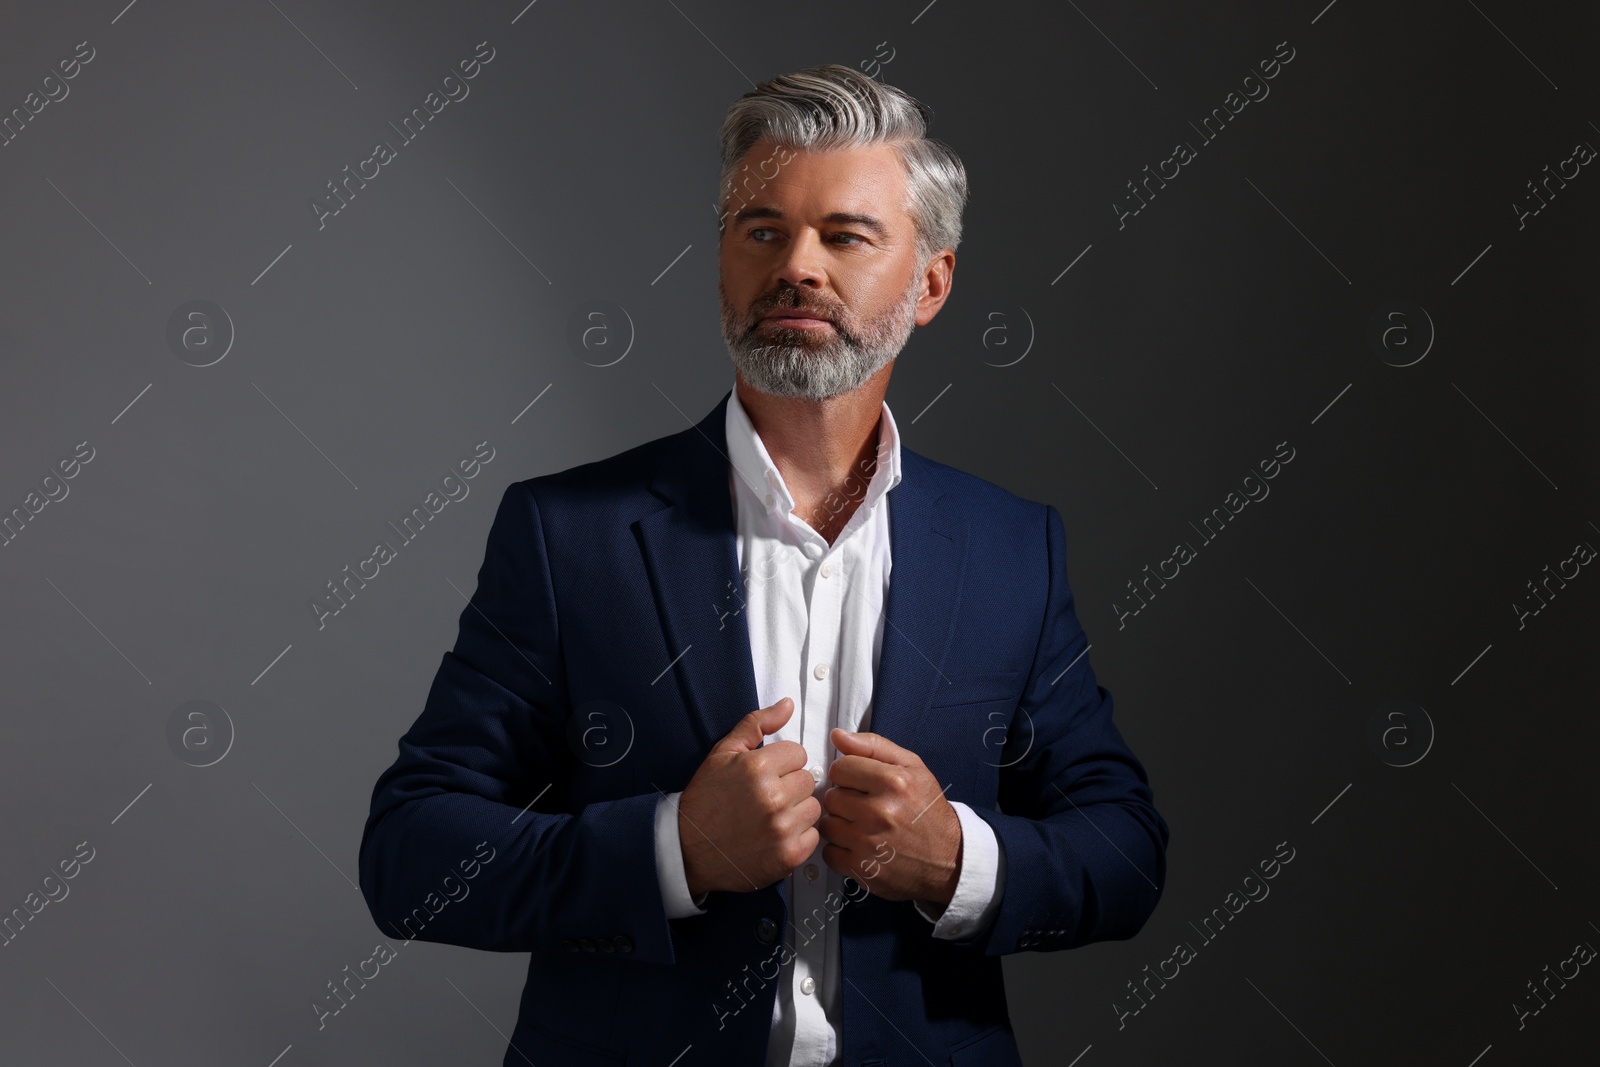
<point>800,365</point>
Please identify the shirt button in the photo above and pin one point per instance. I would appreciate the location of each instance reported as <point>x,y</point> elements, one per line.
<point>772,500</point>
<point>811,872</point>
<point>816,773</point>
<point>821,670</point>
<point>807,985</point>
<point>827,569</point>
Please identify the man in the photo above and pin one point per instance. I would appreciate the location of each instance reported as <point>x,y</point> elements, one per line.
<point>742,789</point>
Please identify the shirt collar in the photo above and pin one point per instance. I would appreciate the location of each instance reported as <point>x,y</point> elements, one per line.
<point>754,469</point>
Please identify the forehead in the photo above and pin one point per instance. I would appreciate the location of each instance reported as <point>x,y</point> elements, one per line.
<point>814,183</point>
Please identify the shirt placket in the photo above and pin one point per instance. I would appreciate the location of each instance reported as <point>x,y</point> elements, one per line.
<point>818,711</point>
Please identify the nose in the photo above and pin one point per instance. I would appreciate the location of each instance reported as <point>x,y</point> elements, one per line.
<point>801,265</point>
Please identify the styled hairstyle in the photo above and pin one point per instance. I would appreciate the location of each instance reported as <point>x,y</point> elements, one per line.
<point>834,106</point>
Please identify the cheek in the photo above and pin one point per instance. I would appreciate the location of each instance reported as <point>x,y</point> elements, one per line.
<point>886,293</point>
<point>737,290</point>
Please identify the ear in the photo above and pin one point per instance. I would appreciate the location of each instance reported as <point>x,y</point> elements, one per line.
<point>937,279</point>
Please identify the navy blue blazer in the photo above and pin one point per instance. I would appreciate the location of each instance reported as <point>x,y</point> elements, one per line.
<point>603,654</point>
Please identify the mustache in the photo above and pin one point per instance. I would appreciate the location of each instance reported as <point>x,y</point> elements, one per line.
<point>779,303</point>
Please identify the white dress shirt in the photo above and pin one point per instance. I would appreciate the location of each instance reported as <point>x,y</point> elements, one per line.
<point>815,617</point>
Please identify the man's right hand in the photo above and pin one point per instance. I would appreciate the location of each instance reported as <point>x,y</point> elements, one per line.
<point>748,816</point>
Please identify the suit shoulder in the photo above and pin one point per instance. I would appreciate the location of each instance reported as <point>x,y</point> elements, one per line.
<point>619,476</point>
<point>982,498</point>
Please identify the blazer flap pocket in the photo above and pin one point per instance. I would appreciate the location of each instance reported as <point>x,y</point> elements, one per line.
<point>980,688</point>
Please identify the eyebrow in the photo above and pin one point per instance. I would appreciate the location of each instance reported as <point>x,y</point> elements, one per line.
<point>844,218</point>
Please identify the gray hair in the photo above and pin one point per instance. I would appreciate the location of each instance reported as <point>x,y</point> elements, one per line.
<point>834,106</point>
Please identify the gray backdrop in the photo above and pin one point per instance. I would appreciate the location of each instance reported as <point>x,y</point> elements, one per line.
<point>1380,259</point>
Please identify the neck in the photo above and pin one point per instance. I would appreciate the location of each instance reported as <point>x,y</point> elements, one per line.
<point>818,444</point>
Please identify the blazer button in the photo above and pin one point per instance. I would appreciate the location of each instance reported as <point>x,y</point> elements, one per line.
<point>766,930</point>
<point>569,945</point>
<point>586,943</point>
<point>623,942</point>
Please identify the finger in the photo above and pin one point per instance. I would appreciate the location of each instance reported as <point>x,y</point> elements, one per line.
<point>797,785</point>
<point>834,830</point>
<point>772,717</point>
<point>863,773</point>
<point>873,746</point>
<point>841,791</point>
<point>845,861</point>
<point>851,807</point>
<point>778,758</point>
<point>748,732</point>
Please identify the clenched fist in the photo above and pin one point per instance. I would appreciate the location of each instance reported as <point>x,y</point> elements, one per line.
<point>884,795</point>
<point>748,816</point>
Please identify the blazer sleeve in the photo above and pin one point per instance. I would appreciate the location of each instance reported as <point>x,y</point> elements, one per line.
<point>487,761</point>
<point>1085,847</point>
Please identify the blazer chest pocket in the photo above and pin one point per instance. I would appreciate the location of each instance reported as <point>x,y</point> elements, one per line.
<point>986,687</point>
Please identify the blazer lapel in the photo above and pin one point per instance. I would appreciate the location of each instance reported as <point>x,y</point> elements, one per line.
<point>928,553</point>
<point>692,562</point>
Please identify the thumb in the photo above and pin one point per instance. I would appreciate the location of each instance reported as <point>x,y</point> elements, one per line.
<point>872,746</point>
<point>749,733</point>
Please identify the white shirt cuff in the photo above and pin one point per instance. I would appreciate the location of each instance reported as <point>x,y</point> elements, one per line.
<point>669,862</point>
<point>979,884</point>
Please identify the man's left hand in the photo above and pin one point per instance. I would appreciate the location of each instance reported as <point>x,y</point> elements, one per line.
<point>886,822</point>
